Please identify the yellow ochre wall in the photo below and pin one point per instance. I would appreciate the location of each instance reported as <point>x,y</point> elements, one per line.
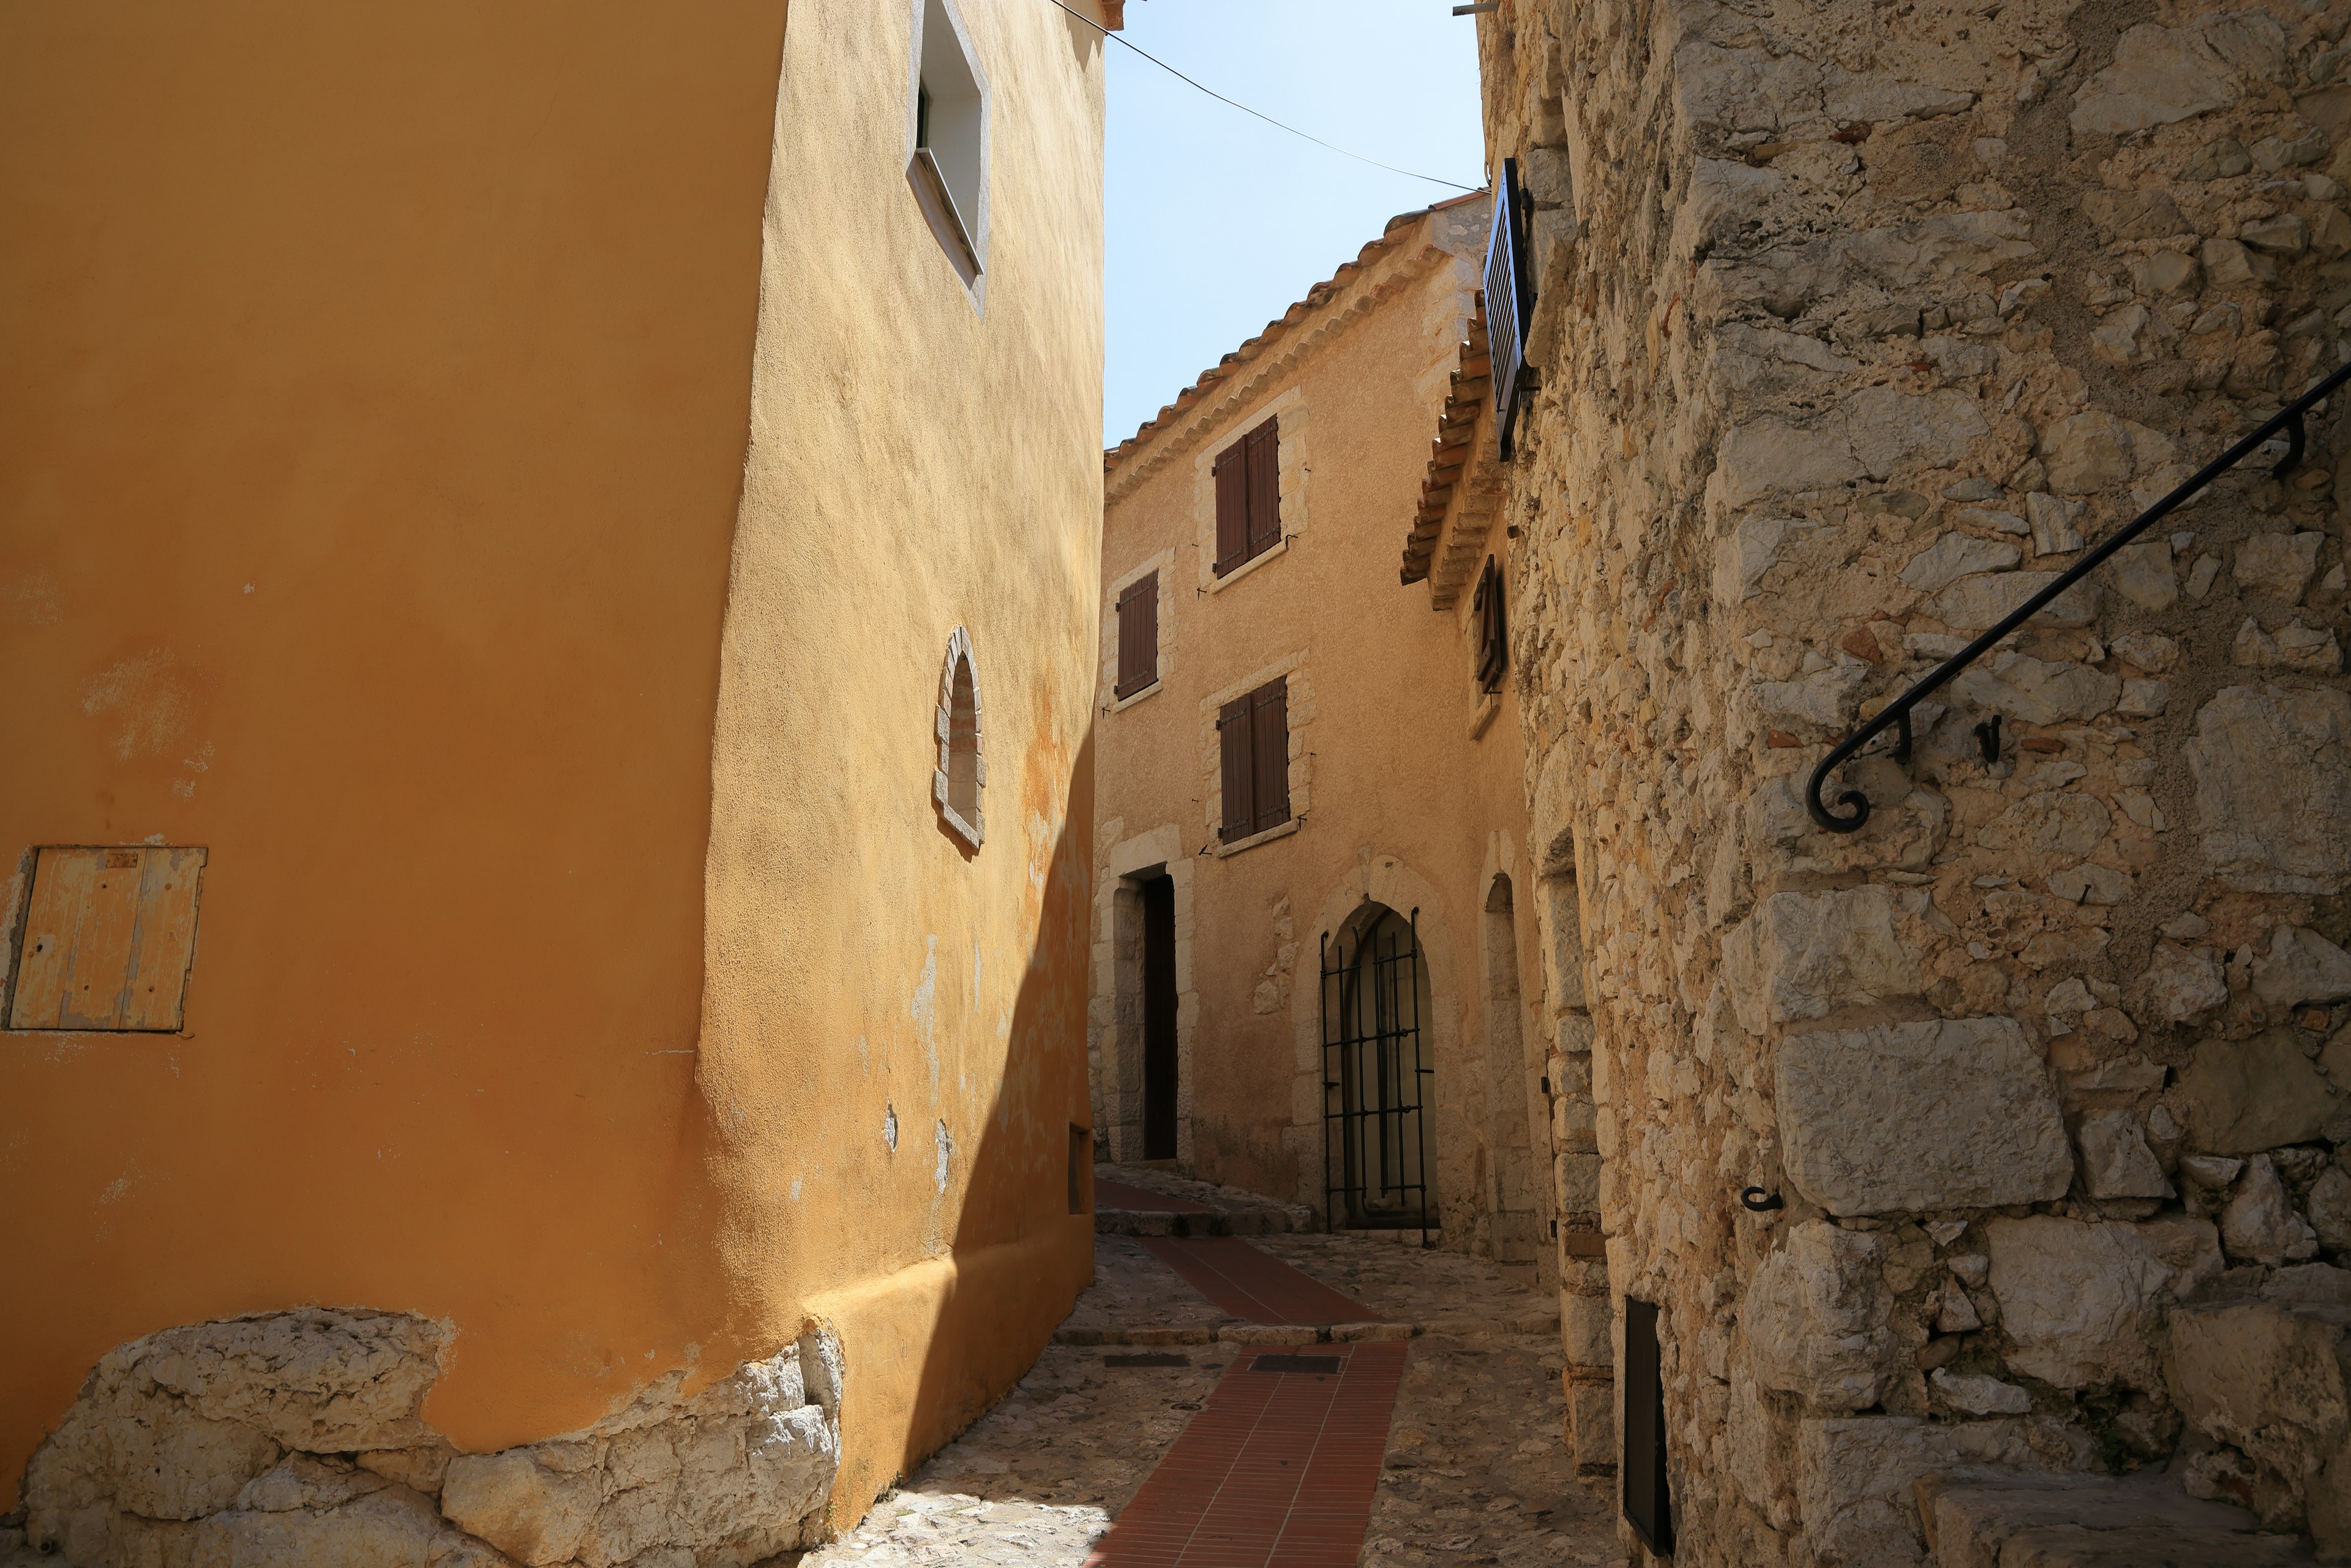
<point>916,464</point>
<point>377,386</point>
<point>1399,796</point>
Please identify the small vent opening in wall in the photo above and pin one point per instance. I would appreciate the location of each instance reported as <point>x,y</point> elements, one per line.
<point>1648,1502</point>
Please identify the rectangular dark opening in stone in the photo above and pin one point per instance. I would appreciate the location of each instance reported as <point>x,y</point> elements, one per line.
<point>1648,1502</point>
<point>1148,1358</point>
<point>1325,1365</point>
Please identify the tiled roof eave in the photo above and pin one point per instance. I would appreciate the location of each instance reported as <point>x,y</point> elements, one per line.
<point>1462,485</point>
<point>1342,288</point>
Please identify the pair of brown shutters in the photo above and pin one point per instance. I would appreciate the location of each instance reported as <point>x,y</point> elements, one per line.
<point>1248,496</point>
<point>1253,738</point>
<point>1138,636</point>
<point>1493,628</point>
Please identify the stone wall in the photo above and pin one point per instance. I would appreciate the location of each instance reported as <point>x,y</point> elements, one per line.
<point>298,1437</point>
<point>1855,323</point>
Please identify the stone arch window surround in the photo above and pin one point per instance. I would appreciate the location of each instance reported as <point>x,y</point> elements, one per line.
<point>961,778</point>
<point>1386,879</point>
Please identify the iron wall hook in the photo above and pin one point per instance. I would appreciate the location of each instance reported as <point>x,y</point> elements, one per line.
<point>1758,1201</point>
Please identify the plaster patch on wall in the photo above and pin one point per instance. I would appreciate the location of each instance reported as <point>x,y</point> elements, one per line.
<point>890,1127</point>
<point>151,701</point>
<point>946,1158</point>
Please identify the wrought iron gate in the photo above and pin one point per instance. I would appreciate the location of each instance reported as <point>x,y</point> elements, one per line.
<point>1375,1074</point>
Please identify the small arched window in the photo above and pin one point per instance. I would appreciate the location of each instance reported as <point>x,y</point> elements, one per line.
<point>962,773</point>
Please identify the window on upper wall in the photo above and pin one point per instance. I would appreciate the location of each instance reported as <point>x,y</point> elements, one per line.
<point>1253,742</point>
<point>1493,628</point>
<point>949,167</point>
<point>1248,496</point>
<point>1138,636</point>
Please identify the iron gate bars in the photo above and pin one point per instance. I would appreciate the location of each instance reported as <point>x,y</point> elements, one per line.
<point>1375,1080</point>
<point>1897,712</point>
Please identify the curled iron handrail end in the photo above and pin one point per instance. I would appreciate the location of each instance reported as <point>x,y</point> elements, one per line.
<point>1853,799</point>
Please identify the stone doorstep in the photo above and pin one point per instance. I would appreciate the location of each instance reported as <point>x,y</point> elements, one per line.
<point>1308,1334</point>
<point>1993,1518</point>
<point>1189,1223</point>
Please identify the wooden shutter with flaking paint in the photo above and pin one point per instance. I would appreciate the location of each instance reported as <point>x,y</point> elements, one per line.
<point>1494,631</point>
<point>1269,749</point>
<point>1231,474</point>
<point>1263,446</point>
<point>1233,752</point>
<point>1138,636</point>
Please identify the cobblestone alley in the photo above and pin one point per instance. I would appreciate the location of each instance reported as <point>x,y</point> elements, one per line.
<point>1271,1398</point>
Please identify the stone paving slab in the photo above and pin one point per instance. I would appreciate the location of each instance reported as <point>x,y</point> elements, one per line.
<point>1475,1469</point>
<point>1441,1292</point>
<point>1133,1289</point>
<point>1137,1299</point>
<point>1237,1212</point>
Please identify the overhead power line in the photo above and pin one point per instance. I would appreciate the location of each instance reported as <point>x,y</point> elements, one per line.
<point>1270,120</point>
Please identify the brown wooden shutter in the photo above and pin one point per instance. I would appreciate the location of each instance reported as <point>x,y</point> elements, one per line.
<point>1138,636</point>
<point>1233,745</point>
<point>1232,508</point>
<point>1269,744</point>
<point>1493,632</point>
<point>1263,446</point>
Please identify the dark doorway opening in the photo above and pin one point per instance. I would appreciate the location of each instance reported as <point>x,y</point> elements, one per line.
<point>1159,1084</point>
<point>1648,1500</point>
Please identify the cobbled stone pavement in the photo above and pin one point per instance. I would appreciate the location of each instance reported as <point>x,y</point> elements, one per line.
<point>1476,1470</point>
<point>1411,1284</point>
<point>1132,1289</point>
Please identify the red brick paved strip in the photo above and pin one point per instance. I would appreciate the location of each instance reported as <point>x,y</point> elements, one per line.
<point>1251,1285</point>
<point>1111,1194</point>
<point>1278,1471</point>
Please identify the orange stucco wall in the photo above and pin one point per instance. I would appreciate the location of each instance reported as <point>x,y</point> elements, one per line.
<point>373,512</point>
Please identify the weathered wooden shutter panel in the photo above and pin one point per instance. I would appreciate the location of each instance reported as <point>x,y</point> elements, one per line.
<point>1269,744</point>
<point>1138,636</point>
<point>1146,633</point>
<point>1233,745</point>
<point>1232,508</point>
<point>1264,447</point>
<point>1493,634</point>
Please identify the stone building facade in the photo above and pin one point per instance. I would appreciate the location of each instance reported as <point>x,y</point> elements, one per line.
<point>543,958</point>
<point>1360,917</point>
<point>1852,326</point>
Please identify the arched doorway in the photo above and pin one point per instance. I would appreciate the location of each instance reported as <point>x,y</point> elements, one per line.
<point>1377,1074</point>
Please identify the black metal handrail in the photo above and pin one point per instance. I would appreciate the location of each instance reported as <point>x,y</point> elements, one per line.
<point>1897,712</point>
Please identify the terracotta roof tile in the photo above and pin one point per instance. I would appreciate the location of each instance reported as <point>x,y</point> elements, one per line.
<point>1322,293</point>
<point>1449,453</point>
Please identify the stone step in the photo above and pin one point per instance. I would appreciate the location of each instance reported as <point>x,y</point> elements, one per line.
<point>1988,1518</point>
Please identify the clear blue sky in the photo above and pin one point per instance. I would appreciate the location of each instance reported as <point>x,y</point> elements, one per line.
<point>1216,221</point>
